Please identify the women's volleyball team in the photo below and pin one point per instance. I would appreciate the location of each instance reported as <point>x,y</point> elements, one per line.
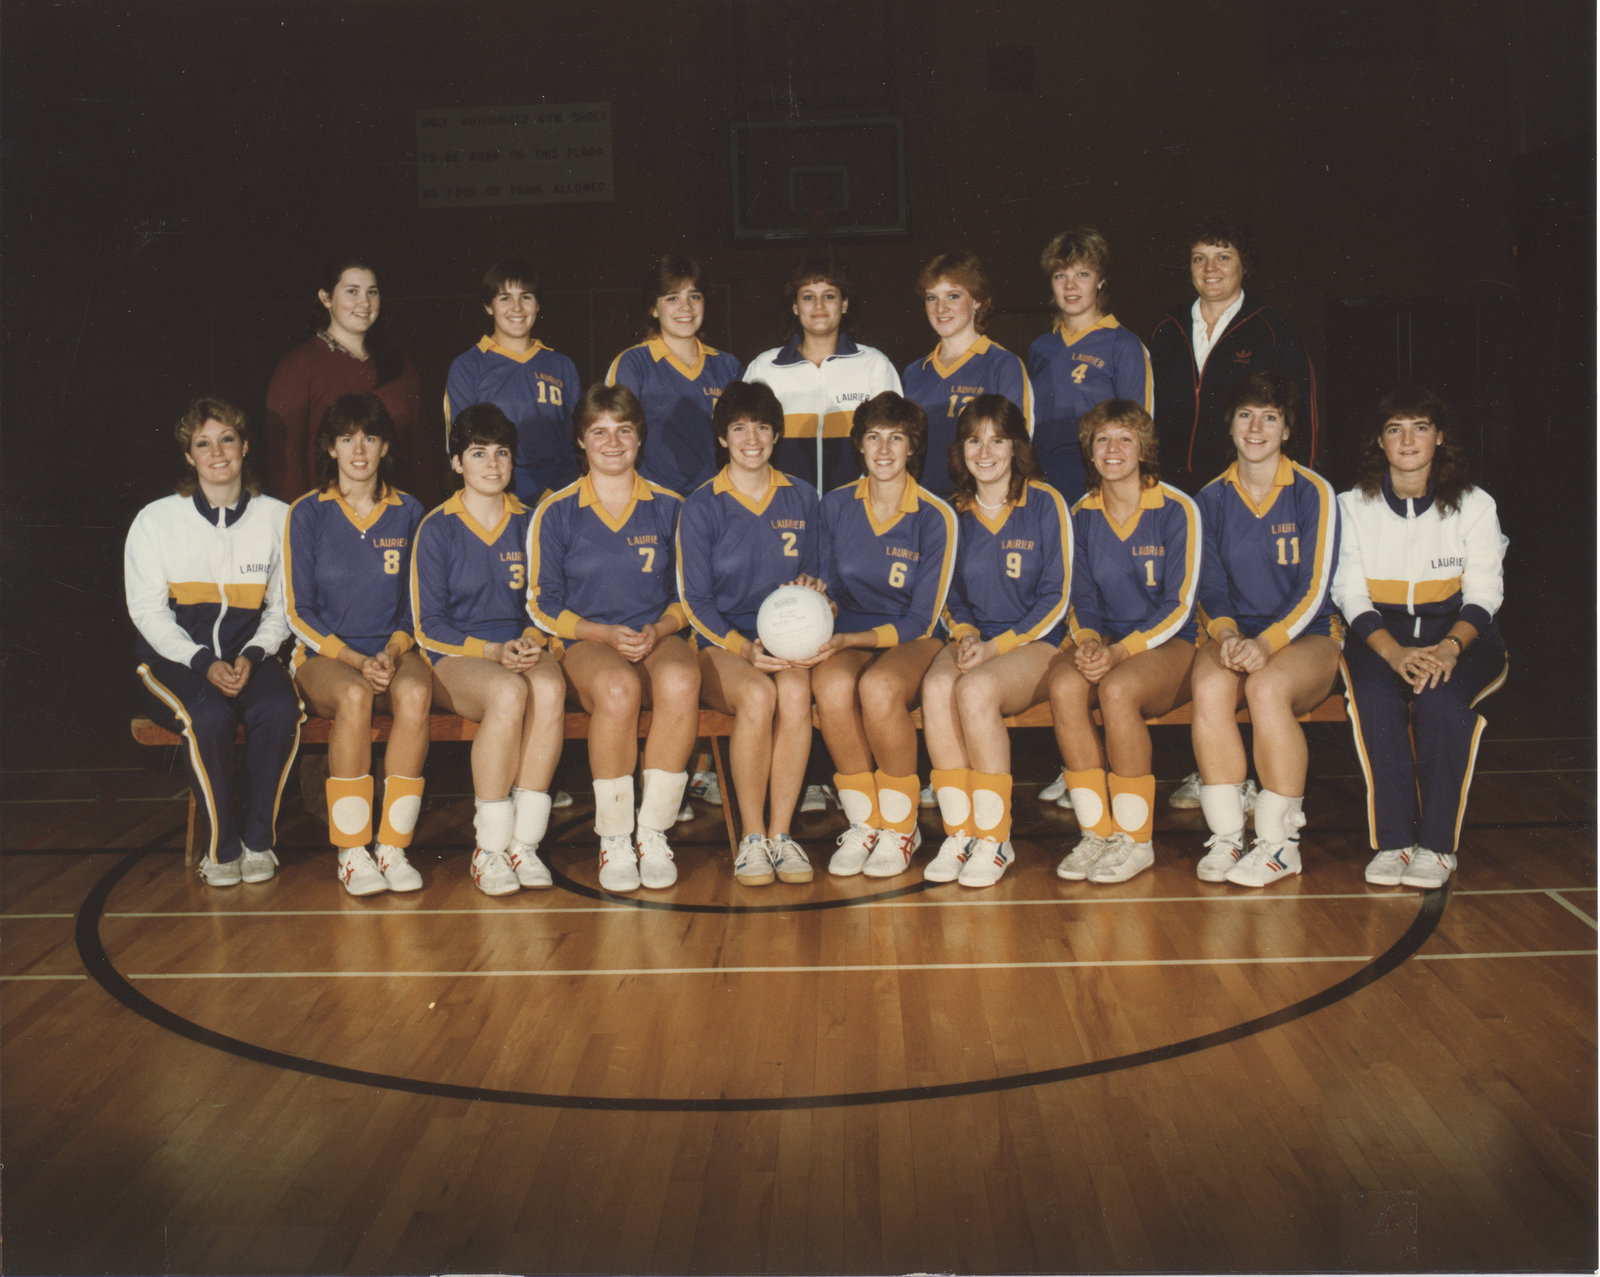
<point>992,533</point>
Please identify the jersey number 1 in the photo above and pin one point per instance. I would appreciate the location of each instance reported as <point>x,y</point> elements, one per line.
<point>1293,548</point>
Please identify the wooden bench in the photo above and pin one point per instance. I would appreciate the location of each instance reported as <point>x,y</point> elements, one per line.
<point>714,727</point>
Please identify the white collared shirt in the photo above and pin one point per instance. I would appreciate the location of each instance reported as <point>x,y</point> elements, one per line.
<point>1204,342</point>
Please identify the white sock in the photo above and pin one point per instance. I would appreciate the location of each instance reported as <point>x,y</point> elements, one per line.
<point>1223,808</point>
<point>491,822</point>
<point>613,806</point>
<point>1278,817</point>
<point>662,798</point>
<point>532,817</point>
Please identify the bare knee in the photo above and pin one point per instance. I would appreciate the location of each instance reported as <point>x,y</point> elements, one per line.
<point>504,699</point>
<point>881,695</point>
<point>354,700</point>
<point>410,699</point>
<point>615,693</point>
<point>757,698</point>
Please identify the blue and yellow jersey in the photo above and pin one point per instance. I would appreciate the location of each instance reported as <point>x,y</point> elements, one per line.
<point>1266,571</point>
<point>586,565</point>
<point>536,390</point>
<point>679,450</point>
<point>1070,374</point>
<point>1136,583</point>
<point>732,552</point>
<point>891,578</point>
<point>1013,571</point>
<point>468,582</point>
<point>347,580</point>
<point>987,368</point>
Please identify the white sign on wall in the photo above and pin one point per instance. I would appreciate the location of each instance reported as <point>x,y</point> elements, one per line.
<point>479,155</point>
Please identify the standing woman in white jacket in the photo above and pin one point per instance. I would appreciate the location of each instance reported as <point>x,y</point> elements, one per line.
<point>821,376</point>
<point>1419,581</point>
<point>203,571</point>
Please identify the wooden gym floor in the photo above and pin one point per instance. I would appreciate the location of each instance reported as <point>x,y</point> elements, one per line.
<point>844,1077</point>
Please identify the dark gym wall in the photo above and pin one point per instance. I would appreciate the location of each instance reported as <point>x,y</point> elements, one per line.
<point>173,171</point>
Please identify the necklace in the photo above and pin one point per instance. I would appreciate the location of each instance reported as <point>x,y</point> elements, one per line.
<point>984,505</point>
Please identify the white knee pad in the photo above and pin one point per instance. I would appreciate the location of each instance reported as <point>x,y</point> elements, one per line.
<point>491,822</point>
<point>613,806</point>
<point>532,817</point>
<point>1223,808</point>
<point>661,799</point>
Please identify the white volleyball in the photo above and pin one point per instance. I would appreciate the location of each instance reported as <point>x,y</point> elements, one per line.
<point>794,622</point>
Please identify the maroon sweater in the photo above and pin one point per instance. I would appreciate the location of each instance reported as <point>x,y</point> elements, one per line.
<point>306,381</point>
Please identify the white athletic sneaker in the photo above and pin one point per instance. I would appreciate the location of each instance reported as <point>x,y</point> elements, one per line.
<point>1056,790</point>
<point>927,798</point>
<point>952,855</point>
<point>892,853</point>
<point>1266,863</point>
<point>855,845</point>
<point>753,867</point>
<point>492,873</point>
<point>817,798</point>
<point>986,862</point>
<point>704,786</point>
<point>219,873</point>
<point>359,873</point>
<point>257,866</point>
<point>619,863</point>
<point>561,798</point>
<point>1186,797</point>
<point>1123,859</point>
<point>1428,869</point>
<point>656,867</point>
<point>789,859</point>
<point>1222,854</point>
<point>686,812</point>
<point>1078,863</point>
<point>397,871</point>
<point>1386,868</point>
<point>530,870</point>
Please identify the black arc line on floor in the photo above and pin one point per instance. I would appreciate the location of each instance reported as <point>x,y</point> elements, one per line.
<point>100,968</point>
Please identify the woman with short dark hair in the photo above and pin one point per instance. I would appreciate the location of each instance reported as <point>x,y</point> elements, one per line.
<point>347,578</point>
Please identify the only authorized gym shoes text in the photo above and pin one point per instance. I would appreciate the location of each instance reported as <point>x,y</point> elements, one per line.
<point>619,863</point>
<point>1428,869</point>
<point>656,866</point>
<point>530,870</point>
<point>1386,868</point>
<point>1078,863</point>
<point>753,868</point>
<point>1123,859</point>
<point>946,864</point>
<point>1265,864</point>
<point>359,873</point>
<point>988,860</point>
<point>397,871</point>
<point>789,859</point>
<point>258,866</point>
<point>891,853</point>
<point>492,873</point>
<point>855,846</point>
<point>220,873</point>
<point>1222,854</point>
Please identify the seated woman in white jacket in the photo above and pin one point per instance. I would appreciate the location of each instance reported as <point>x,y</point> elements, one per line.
<point>203,570</point>
<point>1419,581</point>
